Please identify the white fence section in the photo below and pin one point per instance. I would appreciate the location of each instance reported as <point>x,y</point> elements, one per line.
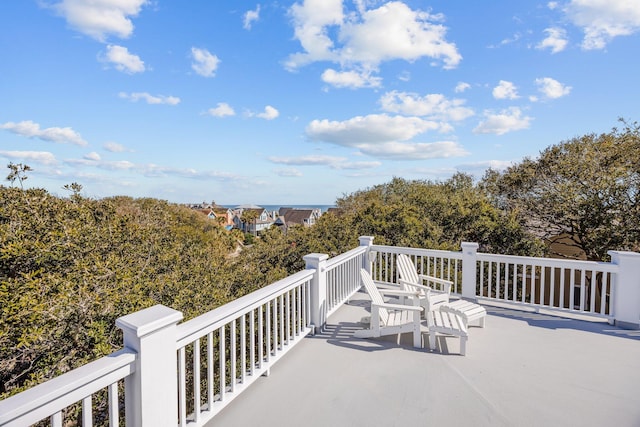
<point>52,398</point>
<point>188,372</point>
<point>343,277</point>
<point>609,290</point>
<point>222,352</point>
<point>565,285</point>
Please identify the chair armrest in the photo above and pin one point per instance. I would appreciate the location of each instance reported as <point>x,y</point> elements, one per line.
<point>395,293</point>
<point>398,307</point>
<point>447,283</point>
<point>415,285</point>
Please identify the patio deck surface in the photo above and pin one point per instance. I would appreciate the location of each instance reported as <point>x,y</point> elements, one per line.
<point>522,369</point>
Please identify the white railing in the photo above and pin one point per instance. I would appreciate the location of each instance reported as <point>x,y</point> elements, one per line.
<point>184,374</point>
<point>609,290</point>
<point>53,397</point>
<point>343,277</point>
<point>228,348</point>
<point>557,284</point>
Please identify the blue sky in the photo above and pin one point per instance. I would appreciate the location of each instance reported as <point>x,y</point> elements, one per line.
<point>302,102</point>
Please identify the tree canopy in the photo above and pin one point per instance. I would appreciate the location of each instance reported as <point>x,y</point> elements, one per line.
<point>437,215</point>
<point>70,267</point>
<point>586,188</point>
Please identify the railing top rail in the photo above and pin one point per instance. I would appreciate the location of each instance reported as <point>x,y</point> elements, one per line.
<point>551,262</point>
<point>39,402</point>
<point>342,258</point>
<point>417,251</point>
<point>199,326</point>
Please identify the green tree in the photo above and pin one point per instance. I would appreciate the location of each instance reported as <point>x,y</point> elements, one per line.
<point>250,216</point>
<point>435,215</point>
<point>70,267</point>
<point>586,188</point>
<point>19,172</point>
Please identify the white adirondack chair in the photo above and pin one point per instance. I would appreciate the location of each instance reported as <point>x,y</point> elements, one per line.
<point>390,319</point>
<point>432,299</point>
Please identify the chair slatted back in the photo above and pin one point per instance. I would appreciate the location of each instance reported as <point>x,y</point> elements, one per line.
<point>374,294</point>
<point>408,272</point>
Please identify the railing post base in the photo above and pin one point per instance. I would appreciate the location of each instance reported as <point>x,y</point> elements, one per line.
<point>626,294</point>
<point>151,392</point>
<point>469,276</point>
<point>318,289</point>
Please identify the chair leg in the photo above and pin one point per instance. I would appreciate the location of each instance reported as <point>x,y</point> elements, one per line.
<point>463,345</point>
<point>432,340</point>
<point>417,338</point>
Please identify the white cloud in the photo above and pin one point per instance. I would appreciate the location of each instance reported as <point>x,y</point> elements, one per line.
<point>394,31</point>
<point>435,106</point>
<point>204,63</point>
<point>222,109</point>
<point>461,87</point>
<point>249,17</point>
<point>374,128</point>
<point>118,165</point>
<point>552,5</point>
<point>93,156</point>
<point>506,121</point>
<point>384,136</point>
<point>311,160</point>
<point>101,18</point>
<point>350,79</point>
<point>414,151</point>
<point>356,165</point>
<point>40,157</point>
<point>114,147</point>
<point>311,20</point>
<point>556,40</point>
<point>288,173</point>
<point>404,76</point>
<point>603,20</point>
<point>123,61</point>
<point>54,134</point>
<point>150,99</point>
<point>505,90</point>
<point>339,163</point>
<point>368,37</point>
<point>552,88</point>
<point>269,113</point>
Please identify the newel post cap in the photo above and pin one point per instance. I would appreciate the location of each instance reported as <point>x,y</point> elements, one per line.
<point>149,320</point>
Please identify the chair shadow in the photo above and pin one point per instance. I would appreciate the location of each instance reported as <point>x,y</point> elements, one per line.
<point>548,321</point>
<point>341,334</point>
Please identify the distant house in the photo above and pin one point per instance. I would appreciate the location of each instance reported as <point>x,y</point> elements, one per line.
<point>262,219</point>
<point>222,215</point>
<point>290,217</point>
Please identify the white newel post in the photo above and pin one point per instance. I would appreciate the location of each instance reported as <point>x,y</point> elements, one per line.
<point>367,241</point>
<point>626,291</point>
<point>151,392</point>
<point>318,290</point>
<point>469,252</point>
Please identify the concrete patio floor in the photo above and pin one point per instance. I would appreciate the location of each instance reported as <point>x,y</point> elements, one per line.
<point>522,369</point>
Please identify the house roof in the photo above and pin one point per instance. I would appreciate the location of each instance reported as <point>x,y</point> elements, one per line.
<point>297,216</point>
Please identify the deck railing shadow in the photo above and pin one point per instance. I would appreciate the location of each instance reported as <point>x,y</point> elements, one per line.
<point>549,321</point>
